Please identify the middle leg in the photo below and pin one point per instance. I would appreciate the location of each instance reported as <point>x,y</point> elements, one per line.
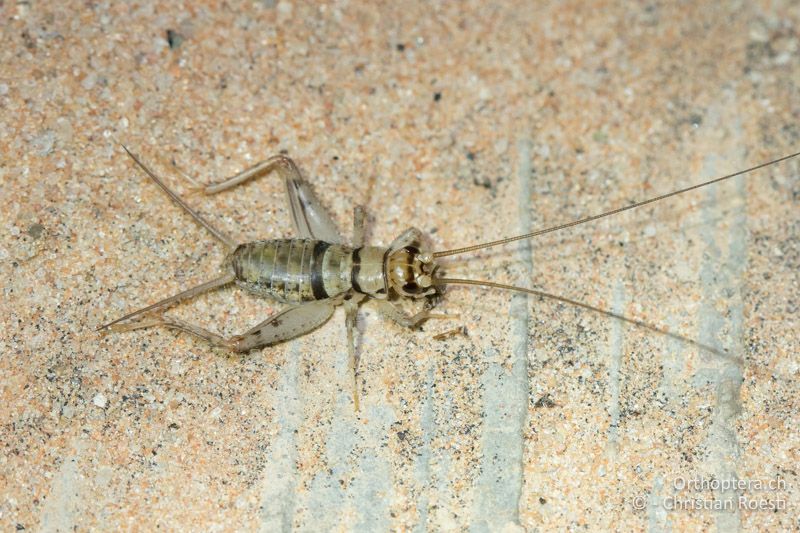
<point>351,312</point>
<point>359,223</point>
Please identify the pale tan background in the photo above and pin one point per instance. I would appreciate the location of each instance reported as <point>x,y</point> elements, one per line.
<point>544,416</point>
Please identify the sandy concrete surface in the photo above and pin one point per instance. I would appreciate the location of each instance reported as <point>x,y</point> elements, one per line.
<point>472,121</point>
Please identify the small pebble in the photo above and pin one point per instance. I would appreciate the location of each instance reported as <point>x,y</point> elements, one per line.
<point>100,400</point>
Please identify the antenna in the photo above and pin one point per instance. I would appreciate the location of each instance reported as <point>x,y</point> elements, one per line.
<point>608,213</point>
<point>547,295</point>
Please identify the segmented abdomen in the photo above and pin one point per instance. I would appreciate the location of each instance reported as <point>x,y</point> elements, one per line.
<point>293,270</point>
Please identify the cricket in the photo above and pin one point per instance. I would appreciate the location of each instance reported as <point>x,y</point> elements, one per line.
<point>316,271</point>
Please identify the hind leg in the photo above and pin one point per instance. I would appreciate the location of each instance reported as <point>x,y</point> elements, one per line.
<point>220,236</point>
<point>259,169</point>
<point>182,325</point>
<point>283,326</point>
<point>311,219</point>
<point>172,300</point>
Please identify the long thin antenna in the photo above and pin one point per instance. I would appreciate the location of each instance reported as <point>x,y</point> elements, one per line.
<point>607,213</point>
<point>224,239</point>
<point>547,295</point>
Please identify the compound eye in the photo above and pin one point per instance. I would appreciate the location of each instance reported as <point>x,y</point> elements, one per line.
<point>411,288</point>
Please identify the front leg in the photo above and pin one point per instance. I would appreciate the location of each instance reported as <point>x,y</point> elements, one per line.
<point>411,236</point>
<point>391,311</point>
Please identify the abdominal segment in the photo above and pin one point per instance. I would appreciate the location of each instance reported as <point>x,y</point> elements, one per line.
<point>293,270</point>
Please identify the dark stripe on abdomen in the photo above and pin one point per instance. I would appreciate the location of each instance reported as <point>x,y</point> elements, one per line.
<point>356,269</point>
<point>317,281</point>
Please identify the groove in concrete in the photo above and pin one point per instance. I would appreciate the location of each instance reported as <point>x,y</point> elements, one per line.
<point>499,487</point>
<point>356,492</point>
<point>721,277</point>
<point>615,354</point>
<point>279,481</point>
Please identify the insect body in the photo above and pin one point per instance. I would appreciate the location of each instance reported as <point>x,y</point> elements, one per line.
<point>306,270</point>
<point>317,271</point>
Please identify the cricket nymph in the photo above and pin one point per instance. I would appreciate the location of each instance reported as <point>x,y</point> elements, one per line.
<point>315,272</point>
<point>306,270</point>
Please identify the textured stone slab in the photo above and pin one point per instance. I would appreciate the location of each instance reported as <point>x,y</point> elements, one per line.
<point>471,122</point>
